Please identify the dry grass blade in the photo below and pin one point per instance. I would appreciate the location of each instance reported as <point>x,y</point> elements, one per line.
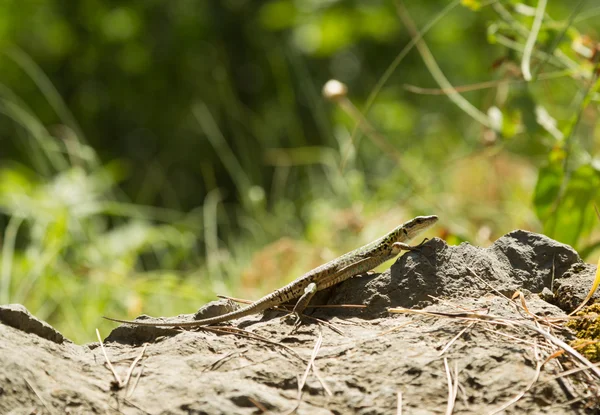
<point>509,300</point>
<point>259,405</point>
<point>558,342</point>
<point>534,316</point>
<point>569,372</point>
<point>452,386</point>
<point>137,379</point>
<point>39,396</point>
<point>514,338</point>
<point>325,323</point>
<point>250,335</point>
<point>313,356</point>
<point>507,322</point>
<point>119,384</point>
<point>487,84</point>
<point>471,324</point>
<point>399,404</point>
<point>393,329</point>
<point>220,360</point>
<point>302,380</point>
<point>317,373</point>
<point>130,371</point>
<point>536,376</point>
<point>596,279</point>
<point>592,290</point>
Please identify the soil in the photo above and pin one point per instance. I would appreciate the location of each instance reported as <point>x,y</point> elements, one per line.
<point>367,360</point>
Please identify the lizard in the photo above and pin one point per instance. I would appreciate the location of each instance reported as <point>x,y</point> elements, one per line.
<point>333,272</point>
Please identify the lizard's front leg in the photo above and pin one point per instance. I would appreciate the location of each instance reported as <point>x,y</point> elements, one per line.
<point>401,246</point>
<point>303,301</point>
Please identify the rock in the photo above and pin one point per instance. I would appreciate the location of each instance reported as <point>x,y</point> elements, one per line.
<point>377,356</point>
<point>17,316</point>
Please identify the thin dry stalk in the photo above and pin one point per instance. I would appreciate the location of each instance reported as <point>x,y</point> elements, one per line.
<point>130,371</point>
<point>235,300</point>
<point>536,376</point>
<point>569,372</point>
<point>486,84</point>
<point>451,304</point>
<point>517,339</point>
<point>132,366</point>
<point>259,405</point>
<point>313,356</point>
<point>325,323</point>
<point>250,335</point>
<point>39,396</point>
<point>137,379</point>
<point>302,380</point>
<point>452,387</point>
<point>398,327</point>
<point>508,300</point>
<point>399,403</point>
<point>119,384</point>
<point>317,373</point>
<point>511,323</point>
<point>471,324</point>
<point>220,360</point>
<point>534,316</point>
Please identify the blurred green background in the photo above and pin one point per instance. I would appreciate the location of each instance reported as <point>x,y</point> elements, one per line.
<point>154,154</point>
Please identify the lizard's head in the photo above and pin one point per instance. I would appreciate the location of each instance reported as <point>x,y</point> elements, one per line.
<point>402,234</point>
<point>398,238</point>
<point>417,225</point>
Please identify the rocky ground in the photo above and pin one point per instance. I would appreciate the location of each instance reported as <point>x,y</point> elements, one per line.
<point>358,361</point>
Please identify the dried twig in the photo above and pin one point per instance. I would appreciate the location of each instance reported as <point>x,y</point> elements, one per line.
<point>511,323</point>
<point>302,380</point>
<point>569,372</point>
<point>399,404</point>
<point>118,381</point>
<point>471,324</point>
<point>130,371</point>
<point>39,396</point>
<point>249,335</point>
<point>220,360</point>
<point>132,366</point>
<point>452,386</point>
<point>398,327</point>
<point>259,405</point>
<point>536,376</point>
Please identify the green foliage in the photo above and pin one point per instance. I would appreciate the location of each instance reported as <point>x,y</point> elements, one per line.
<point>566,204</point>
<point>63,254</point>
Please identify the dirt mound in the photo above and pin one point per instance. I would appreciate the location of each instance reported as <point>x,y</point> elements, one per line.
<point>367,361</point>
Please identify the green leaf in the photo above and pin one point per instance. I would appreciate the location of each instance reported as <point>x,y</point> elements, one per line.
<point>567,214</point>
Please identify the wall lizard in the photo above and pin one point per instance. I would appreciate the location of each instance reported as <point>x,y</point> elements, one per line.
<point>333,272</point>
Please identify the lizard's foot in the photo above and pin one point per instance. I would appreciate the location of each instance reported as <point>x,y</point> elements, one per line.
<point>293,317</point>
<point>401,246</point>
<point>296,319</point>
